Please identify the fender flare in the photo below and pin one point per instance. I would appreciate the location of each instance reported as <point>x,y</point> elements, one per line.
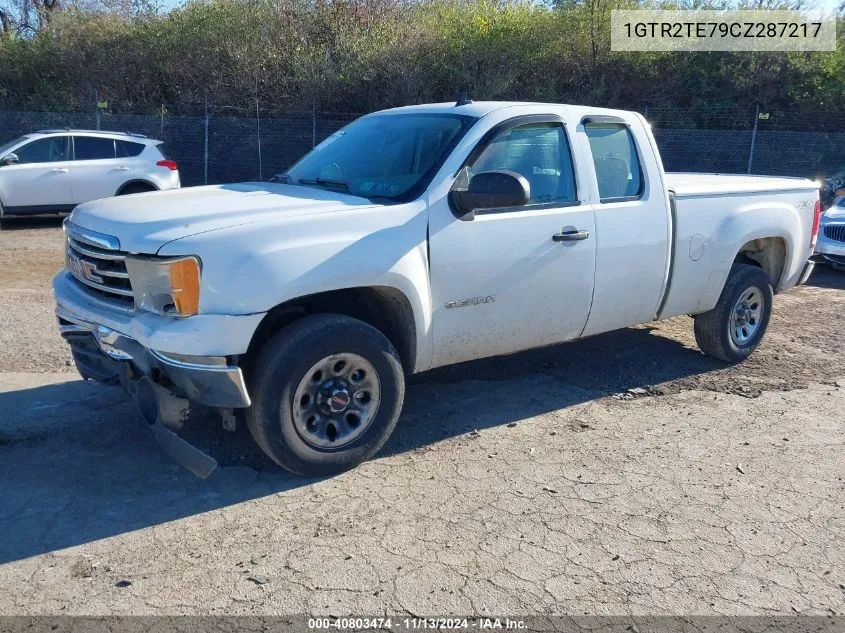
<point>418,303</point>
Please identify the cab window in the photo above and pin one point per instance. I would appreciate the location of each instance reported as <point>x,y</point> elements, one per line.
<point>52,149</point>
<point>615,158</point>
<point>540,153</point>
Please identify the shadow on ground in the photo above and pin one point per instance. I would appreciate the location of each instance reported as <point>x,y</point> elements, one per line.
<point>20,223</point>
<point>826,277</point>
<point>77,464</point>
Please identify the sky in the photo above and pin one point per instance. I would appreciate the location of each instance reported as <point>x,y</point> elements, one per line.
<point>828,5</point>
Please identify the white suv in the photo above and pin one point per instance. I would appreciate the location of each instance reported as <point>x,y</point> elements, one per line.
<point>52,171</point>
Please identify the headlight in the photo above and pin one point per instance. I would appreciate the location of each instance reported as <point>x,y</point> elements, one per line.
<point>166,286</point>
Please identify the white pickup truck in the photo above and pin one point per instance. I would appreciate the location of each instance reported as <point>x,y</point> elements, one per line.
<point>411,239</point>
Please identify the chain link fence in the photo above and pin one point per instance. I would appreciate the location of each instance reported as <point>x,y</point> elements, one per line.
<point>213,148</point>
<point>227,145</point>
<point>749,142</point>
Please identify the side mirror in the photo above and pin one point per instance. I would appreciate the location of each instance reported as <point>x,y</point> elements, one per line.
<point>490,190</point>
<point>9,159</point>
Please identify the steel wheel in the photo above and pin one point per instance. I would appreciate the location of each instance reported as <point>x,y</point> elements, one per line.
<point>336,400</point>
<point>734,327</point>
<point>746,317</point>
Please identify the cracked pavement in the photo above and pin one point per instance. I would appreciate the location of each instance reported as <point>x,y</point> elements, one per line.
<point>533,484</point>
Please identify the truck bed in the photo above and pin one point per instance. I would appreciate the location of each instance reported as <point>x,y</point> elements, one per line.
<point>691,184</point>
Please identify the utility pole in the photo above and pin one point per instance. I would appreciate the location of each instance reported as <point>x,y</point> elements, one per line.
<point>753,138</point>
<point>258,130</point>
<point>205,149</point>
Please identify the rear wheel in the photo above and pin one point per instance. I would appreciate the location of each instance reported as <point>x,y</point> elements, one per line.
<point>733,329</point>
<point>135,188</point>
<point>327,394</point>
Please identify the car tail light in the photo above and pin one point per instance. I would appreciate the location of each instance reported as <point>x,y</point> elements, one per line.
<point>817,218</point>
<point>170,164</point>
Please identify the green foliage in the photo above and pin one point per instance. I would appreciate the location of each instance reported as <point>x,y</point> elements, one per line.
<point>360,55</point>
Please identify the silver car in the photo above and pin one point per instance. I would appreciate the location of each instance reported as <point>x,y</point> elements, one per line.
<point>831,243</point>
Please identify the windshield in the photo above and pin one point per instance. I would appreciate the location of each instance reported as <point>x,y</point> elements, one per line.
<point>391,156</point>
<point>5,147</point>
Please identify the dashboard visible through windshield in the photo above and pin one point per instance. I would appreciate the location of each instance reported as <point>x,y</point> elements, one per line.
<point>383,156</point>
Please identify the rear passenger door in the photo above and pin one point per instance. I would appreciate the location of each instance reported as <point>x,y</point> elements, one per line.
<point>97,170</point>
<point>632,222</point>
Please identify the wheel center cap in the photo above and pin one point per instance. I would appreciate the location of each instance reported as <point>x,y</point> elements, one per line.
<point>742,315</point>
<point>338,401</point>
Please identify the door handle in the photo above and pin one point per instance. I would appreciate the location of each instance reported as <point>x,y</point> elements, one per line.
<point>570,236</point>
<point>121,169</point>
<point>59,170</point>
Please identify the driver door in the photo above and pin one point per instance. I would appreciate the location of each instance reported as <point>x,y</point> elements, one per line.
<point>40,180</point>
<point>502,281</point>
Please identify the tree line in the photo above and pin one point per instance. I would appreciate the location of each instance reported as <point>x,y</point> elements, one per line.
<point>361,55</point>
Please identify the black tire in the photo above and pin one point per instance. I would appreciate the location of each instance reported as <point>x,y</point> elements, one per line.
<point>136,188</point>
<point>718,334</point>
<point>281,368</point>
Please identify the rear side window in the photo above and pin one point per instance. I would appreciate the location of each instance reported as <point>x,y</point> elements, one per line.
<point>92,148</point>
<point>618,170</point>
<point>538,151</point>
<point>45,150</point>
<point>128,149</point>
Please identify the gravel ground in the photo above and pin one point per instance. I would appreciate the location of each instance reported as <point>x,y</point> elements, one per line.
<point>30,254</point>
<point>534,484</point>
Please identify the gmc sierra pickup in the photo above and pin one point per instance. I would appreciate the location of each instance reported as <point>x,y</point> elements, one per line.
<point>411,239</point>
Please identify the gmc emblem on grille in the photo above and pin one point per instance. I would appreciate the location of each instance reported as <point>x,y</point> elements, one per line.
<point>81,268</point>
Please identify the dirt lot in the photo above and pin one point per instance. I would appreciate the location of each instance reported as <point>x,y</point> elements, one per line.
<point>536,484</point>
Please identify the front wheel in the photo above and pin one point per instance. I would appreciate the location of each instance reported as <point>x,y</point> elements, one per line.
<point>327,393</point>
<point>733,329</point>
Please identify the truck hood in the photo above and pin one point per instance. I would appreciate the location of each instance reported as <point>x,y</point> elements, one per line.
<point>145,222</point>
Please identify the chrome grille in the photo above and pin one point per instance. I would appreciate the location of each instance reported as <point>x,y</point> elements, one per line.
<point>835,232</point>
<point>98,267</point>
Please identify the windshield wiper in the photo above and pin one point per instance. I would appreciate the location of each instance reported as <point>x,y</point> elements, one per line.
<point>324,182</point>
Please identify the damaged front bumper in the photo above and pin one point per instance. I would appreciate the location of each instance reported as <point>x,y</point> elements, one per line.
<point>102,353</point>
<point>165,364</point>
<point>162,386</point>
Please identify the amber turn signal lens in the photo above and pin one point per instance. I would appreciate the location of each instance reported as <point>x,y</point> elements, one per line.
<point>185,285</point>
